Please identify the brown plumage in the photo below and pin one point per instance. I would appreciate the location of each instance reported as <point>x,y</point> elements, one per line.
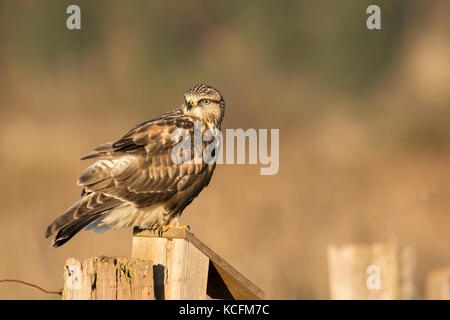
<point>134,181</point>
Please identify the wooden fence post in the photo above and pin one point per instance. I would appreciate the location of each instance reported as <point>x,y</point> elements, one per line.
<point>372,271</point>
<point>185,268</point>
<point>438,284</point>
<point>174,266</point>
<point>108,278</point>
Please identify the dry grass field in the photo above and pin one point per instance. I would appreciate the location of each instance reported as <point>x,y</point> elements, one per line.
<point>356,165</point>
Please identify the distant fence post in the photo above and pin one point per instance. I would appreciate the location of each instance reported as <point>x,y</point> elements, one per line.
<point>371,271</point>
<point>438,284</point>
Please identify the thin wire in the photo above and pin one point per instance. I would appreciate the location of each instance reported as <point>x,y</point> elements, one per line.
<point>59,292</point>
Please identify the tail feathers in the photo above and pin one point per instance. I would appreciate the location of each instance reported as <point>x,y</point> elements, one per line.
<point>62,220</point>
<point>82,213</point>
<point>101,151</point>
<point>67,232</point>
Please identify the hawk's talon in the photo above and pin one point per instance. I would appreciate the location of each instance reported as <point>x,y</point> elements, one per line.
<point>185,227</point>
<point>165,228</point>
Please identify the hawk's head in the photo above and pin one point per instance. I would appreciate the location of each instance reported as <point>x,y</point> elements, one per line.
<point>204,103</point>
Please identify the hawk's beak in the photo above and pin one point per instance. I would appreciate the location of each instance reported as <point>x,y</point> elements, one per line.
<point>189,104</point>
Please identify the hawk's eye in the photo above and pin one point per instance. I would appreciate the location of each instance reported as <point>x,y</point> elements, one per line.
<point>205,102</point>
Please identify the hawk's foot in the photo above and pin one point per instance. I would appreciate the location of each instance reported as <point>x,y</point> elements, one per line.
<point>165,228</point>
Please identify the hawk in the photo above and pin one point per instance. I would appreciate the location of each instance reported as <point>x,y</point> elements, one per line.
<point>134,181</point>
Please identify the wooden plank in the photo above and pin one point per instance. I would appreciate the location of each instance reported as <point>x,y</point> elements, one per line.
<point>183,269</point>
<point>141,275</point>
<point>76,286</point>
<point>144,248</point>
<point>197,274</point>
<point>239,286</point>
<point>372,271</point>
<point>108,278</point>
<point>89,276</point>
<point>105,283</point>
<point>188,271</point>
<point>123,290</point>
<point>177,262</point>
<point>438,284</point>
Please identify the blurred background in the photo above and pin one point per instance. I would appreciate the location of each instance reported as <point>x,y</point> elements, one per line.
<point>364,119</point>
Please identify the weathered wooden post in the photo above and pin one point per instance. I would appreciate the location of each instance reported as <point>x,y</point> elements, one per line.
<point>372,271</point>
<point>174,266</point>
<point>185,268</point>
<point>438,284</point>
<point>108,278</point>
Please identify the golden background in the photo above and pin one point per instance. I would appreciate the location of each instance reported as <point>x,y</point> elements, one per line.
<point>364,119</point>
